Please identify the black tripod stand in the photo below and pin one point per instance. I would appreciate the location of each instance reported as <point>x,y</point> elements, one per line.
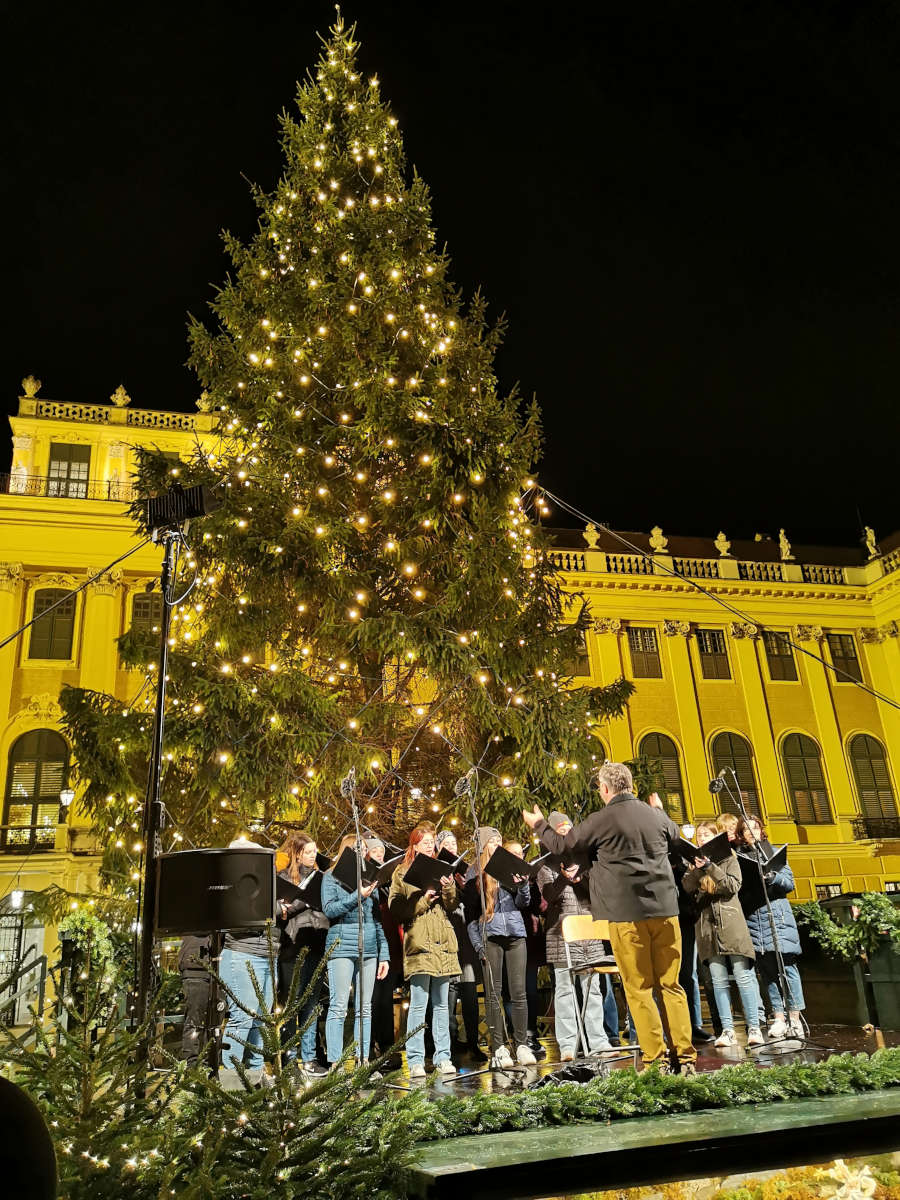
<point>777,1045</point>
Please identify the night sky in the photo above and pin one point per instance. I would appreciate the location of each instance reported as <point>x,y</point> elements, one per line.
<point>689,212</point>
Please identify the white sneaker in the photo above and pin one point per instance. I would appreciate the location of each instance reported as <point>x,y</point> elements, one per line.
<point>525,1056</point>
<point>417,1071</point>
<point>501,1060</point>
<point>726,1038</point>
<point>778,1028</point>
<point>566,1056</point>
<point>446,1068</point>
<point>755,1037</point>
<point>797,1029</point>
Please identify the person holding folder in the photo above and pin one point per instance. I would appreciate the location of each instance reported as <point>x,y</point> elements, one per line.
<point>498,934</point>
<point>422,897</point>
<point>723,941</point>
<point>303,927</point>
<point>632,887</point>
<point>339,904</point>
<point>779,885</point>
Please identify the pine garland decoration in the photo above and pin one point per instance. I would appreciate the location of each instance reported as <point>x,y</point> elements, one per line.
<point>624,1094</point>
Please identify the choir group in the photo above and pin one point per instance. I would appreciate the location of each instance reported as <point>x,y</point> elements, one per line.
<point>471,925</point>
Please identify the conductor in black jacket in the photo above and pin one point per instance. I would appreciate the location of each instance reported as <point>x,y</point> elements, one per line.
<point>632,887</point>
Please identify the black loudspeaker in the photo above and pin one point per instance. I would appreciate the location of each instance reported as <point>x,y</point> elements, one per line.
<point>199,891</point>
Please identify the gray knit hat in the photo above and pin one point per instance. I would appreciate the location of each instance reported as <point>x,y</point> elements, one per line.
<point>372,843</point>
<point>484,835</point>
<point>556,818</point>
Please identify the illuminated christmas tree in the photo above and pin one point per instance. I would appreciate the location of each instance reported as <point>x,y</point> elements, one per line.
<point>375,589</point>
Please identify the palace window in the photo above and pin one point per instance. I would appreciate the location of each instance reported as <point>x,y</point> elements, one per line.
<point>873,783</point>
<point>146,612</point>
<point>644,648</point>
<point>843,658</point>
<point>713,654</point>
<point>580,662</point>
<point>662,748</point>
<point>732,751</point>
<point>53,631</point>
<point>806,782</point>
<point>69,469</point>
<point>827,891</point>
<point>779,656</point>
<point>38,769</point>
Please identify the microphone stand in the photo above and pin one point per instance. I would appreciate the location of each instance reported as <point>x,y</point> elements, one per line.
<point>738,802</point>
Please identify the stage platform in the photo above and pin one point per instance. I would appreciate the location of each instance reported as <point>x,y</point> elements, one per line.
<point>566,1160</point>
<point>562,1161</point>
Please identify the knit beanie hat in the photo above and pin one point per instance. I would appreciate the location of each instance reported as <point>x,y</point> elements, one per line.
<point>373,843</point>
<point>442,837</point>
<point>555,819</point>
<point>484,835</point>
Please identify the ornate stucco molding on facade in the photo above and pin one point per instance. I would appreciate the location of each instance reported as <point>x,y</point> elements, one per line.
<point>607,625</point>
<point>676,628</point>
<point>10,576</point>
<point>872,635</point>
<point>42,707</point>
<point>107,584</point>
<point>743,629</point>
<point>808,633</point>
<point>54,580</point>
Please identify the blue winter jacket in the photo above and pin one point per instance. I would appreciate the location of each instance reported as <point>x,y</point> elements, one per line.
<point>507,920</point>
<point>785,925</point>
<point>339,906</point>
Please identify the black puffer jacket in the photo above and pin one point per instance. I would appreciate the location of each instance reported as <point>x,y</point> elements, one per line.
<point>302,920</point>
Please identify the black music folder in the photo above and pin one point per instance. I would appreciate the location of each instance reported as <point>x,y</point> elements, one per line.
<point>751,894</point>
<point>456,862</point>
<point>387,869</point>
<point>717,849</point>
<point>503,866</point>
<point>556,862</point>
<point>344,870</point>
<point>425,872</point>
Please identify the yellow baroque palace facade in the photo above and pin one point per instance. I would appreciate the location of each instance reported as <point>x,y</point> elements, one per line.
<point>816,754</point>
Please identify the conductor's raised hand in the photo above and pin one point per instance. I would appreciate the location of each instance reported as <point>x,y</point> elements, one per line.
<point>532,818</point>
<point>654,801</point>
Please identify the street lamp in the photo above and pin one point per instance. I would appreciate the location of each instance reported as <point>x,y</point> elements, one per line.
<point>66,796</point>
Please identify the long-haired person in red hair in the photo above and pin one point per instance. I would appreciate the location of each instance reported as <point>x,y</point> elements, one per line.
<point>430,958</point>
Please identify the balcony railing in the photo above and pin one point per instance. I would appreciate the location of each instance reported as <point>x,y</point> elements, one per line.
<point>67,489</point>
<point>27,839</point>
<point>876,827</point>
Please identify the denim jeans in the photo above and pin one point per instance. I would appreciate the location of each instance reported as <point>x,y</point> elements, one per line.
<point>566,1021</point>
<point>305,971</point>
<point>768,974</point>
<point>342,974</point>
<point>748,989</point>
<point>243,1027</point>
<point>610,1008</point>
<point>423,988</point>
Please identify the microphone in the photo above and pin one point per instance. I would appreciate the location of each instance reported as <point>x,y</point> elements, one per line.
<point>463,785</point>
<point>716,785</point>
<point>348,784</point>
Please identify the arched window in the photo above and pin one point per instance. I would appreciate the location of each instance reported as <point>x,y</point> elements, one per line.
<point>53,629</point>
<point>806,781</point>
<point>873,783</point>
<point>38,770</point>
<point>731,750</point>
<point>661,747</point>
